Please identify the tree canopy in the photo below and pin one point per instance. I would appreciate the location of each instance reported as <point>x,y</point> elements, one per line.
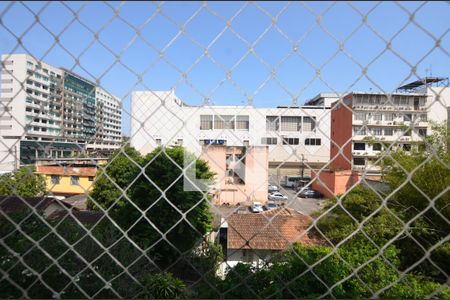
<point>24,182</point>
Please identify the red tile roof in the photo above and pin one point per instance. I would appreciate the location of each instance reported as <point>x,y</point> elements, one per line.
<point>59,170</point>
<point>271,230</point>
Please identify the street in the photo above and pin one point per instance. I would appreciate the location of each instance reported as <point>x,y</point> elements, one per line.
<point>303,205</point>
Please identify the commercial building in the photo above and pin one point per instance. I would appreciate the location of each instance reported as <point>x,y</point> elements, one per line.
<point>48,112</point>
<point>364,124</point>
<point>295,136</point>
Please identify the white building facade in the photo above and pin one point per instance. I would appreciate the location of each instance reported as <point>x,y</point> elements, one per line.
<point>292,134</point>
<point>49,112</point>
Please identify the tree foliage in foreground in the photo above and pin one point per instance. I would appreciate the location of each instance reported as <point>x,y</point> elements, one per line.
<point>24,182</point>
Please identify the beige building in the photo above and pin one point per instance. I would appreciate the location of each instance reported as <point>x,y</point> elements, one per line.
<point>241,173</point>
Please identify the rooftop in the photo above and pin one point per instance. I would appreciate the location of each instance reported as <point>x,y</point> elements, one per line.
<point>275,229</point>
<point>60,170</point>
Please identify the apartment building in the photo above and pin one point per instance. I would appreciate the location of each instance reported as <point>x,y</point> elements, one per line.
<point>49,112</point>
<point>294,135</point>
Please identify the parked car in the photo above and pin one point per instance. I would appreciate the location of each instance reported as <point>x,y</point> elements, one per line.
<point>271,205</point>
<point>272,188</point>
<point>277,196</point>
<point>257,207</point>
<point>310,193</point>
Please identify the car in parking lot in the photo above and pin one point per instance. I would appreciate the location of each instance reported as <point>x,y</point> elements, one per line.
<point>310,193</point>
<point>270,205</point>
<point>273,188</point>
<point>277,196</point>
<point>257,207</point>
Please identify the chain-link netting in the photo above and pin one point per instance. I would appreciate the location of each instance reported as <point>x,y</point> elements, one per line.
<point>172,150</point>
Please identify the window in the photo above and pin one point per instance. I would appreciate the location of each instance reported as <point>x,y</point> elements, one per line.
<point>74,180</point>
<point>376,147</point>
<point>272,123</point>
<point>389,117</point>
<point>55,179</point>
<point>206,122</point>
<point>360,116</point>
<point>91,178</point>
<point>291,123</point>
<point>269,140</point>
<point>407,117</point>
<point>359,161</point>
<point>376,131</point>
<point>158,142</point>
<point>309,124</point>
<point>388,132</point>
<point>377,117</point>
<point>290,141</point>
<point>312,142</point>
<point>407,147</point>
<point>224,122</point>
<point>423,118</point>
<point>422,132</point>
<point>247,255</point>
<point>359,146</point>
<point>359,131</point>
<point>242,122</point>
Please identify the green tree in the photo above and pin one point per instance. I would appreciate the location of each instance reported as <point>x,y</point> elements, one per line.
<point>122,168</point>
<point>163,286</point>
<point>24,182</point>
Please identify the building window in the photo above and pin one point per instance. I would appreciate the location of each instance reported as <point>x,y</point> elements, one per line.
<point>91,178</point>
<point>377,117</point>
<point>377,131</point>
<point>312,142</point>
<point>309,124</point>
<point>242,122</point>
<point>422,132</point>
<point>206,122</point>
<point>272,123</point>
<point>376,147</point>
<point>359,146</point>
<point>423,118</point>
<point>389,117</point>
<point>407,117</point>
<point>224,122</point>
<point>291,123</point>
<point>74,180</point>
<point>359,131</point>
<point>359,161</point>
<point>388,132</point>
<point>290,141</point>
<point>359,116</point>
<point>269,140</point>
<point>158,142</point>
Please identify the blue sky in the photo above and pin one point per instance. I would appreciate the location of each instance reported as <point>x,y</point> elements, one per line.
<point>288,53</point>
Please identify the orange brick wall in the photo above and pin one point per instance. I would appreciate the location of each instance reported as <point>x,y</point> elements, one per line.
<point>341,133</point>
<point>333,183</point>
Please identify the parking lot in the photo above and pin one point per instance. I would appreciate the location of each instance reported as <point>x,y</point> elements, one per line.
<point>303,205</point>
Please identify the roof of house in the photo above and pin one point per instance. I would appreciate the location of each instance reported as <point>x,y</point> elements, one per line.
<point>15,203</point>
<point>85,217</point>
<point>270,230</point>
<point>61,170</point>
<point>78,201</point>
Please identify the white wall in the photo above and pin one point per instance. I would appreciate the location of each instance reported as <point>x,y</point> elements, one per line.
<point>159,115</point>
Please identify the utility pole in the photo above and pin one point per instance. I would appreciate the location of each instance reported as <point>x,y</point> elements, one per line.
<point>303,166</point>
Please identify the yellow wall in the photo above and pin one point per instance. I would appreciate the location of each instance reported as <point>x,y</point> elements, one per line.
<point>64,186</point>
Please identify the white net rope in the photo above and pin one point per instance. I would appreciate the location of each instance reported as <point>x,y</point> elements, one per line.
<point>141,224</point>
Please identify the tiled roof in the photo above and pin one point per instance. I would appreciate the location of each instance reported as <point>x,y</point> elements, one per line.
<point>85,217</point>
<point>60,170</point>
<point>271,230</point>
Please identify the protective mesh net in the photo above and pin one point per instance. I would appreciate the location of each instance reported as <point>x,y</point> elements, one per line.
<point>85,215</point>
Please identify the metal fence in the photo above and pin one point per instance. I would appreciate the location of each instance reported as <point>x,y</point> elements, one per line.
<point>385,235</point>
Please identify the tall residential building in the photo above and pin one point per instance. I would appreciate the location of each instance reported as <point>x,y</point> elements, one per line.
<point>294,135</point>
<point>48,112</point>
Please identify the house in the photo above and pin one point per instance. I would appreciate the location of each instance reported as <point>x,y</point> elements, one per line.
<point>49,208</point>
<point>67,180</point>
<point>255,238</point>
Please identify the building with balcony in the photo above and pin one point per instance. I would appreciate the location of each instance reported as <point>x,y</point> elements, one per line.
<point>292,134</point>
<point>49,112</point>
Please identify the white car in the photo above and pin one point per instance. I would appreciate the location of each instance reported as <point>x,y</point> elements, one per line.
<point>272,188</point>
<point>277,196</point>
<point>257,207</point>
